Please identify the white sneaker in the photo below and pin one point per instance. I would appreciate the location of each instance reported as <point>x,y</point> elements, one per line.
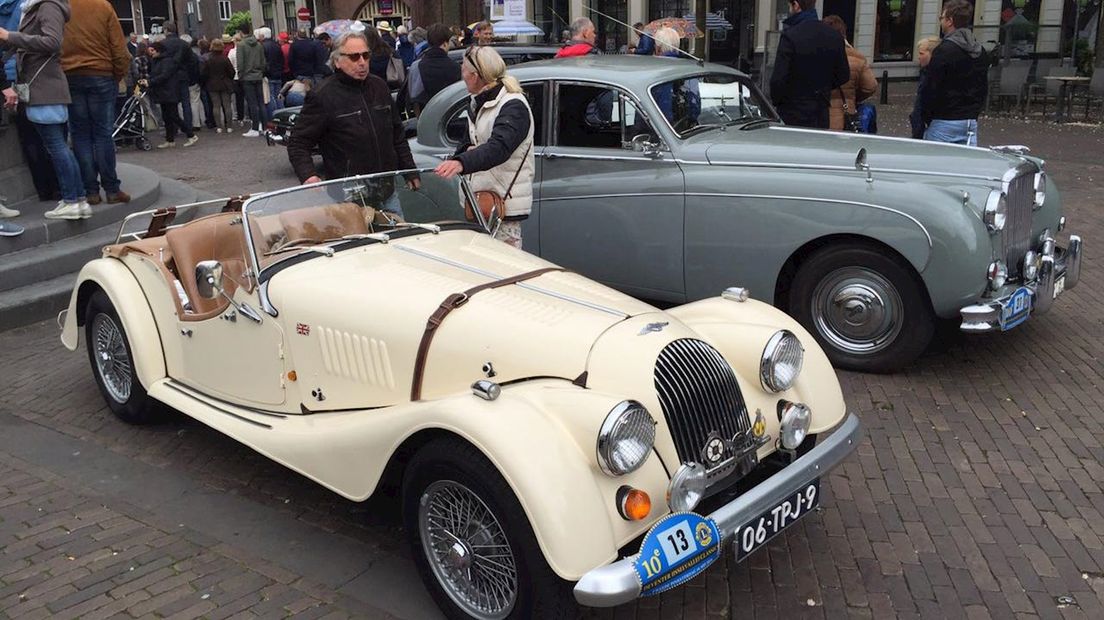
<point>191,141</point>
<point>6,212</point>
<point>85,210</point>
<point>252,133</point>
<point>218,130</point>
<point>166,145</point>
<point>67,211</point>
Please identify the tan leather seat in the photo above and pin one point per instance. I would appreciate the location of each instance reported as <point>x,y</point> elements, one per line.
<point>324,222</point>
<point>215,237</point>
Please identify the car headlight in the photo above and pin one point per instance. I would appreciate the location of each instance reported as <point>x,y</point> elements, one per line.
<point>626,438</point>
<point>996,211</point>
<point>687,488</point>
<point>1040,189</point>
<point>794,425</point>
<point>781,361</point>
<point>1030,266</point>
<point>998,275</point>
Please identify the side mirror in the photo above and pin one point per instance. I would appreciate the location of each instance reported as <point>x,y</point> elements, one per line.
<point>862,166</point>
<point>641,143</point>
<point>209,279</point>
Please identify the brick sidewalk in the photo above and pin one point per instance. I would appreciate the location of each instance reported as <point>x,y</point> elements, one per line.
<point>68,555</point>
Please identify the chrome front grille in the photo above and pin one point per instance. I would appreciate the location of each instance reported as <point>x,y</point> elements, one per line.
<point>699,396</point>
<point>1016,237</point>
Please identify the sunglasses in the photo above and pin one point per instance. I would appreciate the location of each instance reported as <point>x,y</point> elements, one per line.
<point>469,55</point>
<point>355,56</point>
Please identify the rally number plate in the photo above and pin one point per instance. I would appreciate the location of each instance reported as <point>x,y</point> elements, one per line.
<point>1016,309</point>
<point>677,548</point>
<point>758,531</point>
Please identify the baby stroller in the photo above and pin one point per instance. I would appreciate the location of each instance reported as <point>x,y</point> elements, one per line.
<point>130,125</point>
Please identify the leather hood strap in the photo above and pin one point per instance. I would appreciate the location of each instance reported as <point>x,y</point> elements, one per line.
<point>451,303</point>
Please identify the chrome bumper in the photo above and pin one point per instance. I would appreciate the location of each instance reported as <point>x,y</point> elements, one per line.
<point>617,583</point>
<point>1055,263</point>
<point>273,139</point>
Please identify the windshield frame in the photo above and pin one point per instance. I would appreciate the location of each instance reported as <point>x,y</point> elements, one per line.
<point>255,266</point>
<point>737,77</point>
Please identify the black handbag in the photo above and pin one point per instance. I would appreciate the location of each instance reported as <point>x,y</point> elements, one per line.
<point>850,118</point>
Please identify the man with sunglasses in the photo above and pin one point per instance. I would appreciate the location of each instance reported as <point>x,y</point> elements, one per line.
<point>352,120</point>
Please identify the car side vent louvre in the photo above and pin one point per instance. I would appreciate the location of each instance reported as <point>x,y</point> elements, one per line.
<point>699,395</point>
<point>356,357</point>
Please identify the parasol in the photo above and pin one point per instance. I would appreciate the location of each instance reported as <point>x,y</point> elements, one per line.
<point>337,27</point>
<point>684,27</point>
<point>515,27</point>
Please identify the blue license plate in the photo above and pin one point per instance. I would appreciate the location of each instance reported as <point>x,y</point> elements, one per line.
<point>1016,308</point>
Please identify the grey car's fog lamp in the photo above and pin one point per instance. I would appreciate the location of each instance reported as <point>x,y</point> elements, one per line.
<point>1030,266</point>
<point>687,488</point>
<point>998,275</point>
<point>626,438</point>
<point>795,419</point>
<point>781,361</point>
<point>996,211</point>
<point>1040,189</point>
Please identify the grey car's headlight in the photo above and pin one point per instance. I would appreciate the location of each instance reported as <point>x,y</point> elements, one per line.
<point>794,424</point>
<point>998,275</point>
<point>626,438</point>
<point>781,361</point>
<point>996,211</point>
<point>687,488</point>
<point>1040,189</point>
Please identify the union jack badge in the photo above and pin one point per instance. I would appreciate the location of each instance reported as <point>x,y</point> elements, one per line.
<point>302,329</point>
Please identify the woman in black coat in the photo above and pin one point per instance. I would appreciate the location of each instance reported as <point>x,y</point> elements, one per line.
<point>164,90</point>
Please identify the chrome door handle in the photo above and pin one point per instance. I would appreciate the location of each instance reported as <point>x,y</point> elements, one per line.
<point>551,155</point>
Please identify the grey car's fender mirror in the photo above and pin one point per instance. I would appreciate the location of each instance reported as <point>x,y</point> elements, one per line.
<point>208,275</point>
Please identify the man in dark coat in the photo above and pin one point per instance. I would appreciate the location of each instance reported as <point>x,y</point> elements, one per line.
<point>304,55</point>
<point>352,119</point>
<point>811,62</point>
<point>274,67</point>
<point>181,54</point>
<point>434,70</point>
<point>956,82</point>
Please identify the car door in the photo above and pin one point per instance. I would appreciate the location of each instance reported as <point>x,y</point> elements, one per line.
<point>605,209</point>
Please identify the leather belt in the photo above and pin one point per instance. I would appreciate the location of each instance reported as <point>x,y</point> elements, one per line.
<point>451,303</point>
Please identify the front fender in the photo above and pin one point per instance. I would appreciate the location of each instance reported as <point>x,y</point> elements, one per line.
<point>112,276</point>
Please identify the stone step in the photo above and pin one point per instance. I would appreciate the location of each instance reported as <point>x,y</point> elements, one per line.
<point>50,260</point>
<point>35,302</point>
<point>143,185</point>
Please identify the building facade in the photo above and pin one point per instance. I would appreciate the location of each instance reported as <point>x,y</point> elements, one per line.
<point>206,18</point>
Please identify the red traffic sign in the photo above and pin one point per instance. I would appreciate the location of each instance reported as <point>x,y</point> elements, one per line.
<point>303,14</point>
<point>385,7</point>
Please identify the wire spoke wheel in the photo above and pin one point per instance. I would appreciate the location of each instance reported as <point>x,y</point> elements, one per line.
<point>112,359</point>
<point>467,550</point>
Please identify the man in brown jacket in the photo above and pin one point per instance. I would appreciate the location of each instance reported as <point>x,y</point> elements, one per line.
<point>95,59</point>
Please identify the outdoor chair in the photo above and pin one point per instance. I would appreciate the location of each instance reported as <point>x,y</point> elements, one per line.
<point>1051,90</point>
<point>1095,93</point>
<point>1012,83</point>
<point>1042,68</point>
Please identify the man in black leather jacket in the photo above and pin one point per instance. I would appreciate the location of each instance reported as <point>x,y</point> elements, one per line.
<point>352,119</point>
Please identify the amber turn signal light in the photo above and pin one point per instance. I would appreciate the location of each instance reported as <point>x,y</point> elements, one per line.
<point>633,504</point>
<point>292,376</point>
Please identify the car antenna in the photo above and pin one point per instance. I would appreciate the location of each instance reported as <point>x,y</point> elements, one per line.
<point>642,33</point>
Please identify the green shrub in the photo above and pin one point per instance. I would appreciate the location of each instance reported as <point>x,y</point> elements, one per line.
<point>238,21</point>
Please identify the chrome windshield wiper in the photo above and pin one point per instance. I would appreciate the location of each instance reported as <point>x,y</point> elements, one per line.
<point>433,228</point>
<point>324,250</point>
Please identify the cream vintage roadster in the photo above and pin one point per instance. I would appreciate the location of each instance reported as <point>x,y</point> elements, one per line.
<point>552,442</point>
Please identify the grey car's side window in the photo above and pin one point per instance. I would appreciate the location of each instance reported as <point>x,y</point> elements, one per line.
<point>597,117</point>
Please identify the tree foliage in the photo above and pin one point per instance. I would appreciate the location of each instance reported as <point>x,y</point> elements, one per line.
<point>239,20</point>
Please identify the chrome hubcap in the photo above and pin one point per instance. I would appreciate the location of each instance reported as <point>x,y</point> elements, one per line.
<point>857,310</point>
<point>112,361</point>
<point>467,550</point>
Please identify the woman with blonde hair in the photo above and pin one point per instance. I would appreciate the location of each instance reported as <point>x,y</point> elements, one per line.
<point>497,154</point>
<point>924,49</point>
<point>860,85</point>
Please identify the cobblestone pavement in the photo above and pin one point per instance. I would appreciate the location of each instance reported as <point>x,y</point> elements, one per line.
<point>976,492</point>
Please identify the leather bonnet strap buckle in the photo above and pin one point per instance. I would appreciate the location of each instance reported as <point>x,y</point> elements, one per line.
<point>452,302</point>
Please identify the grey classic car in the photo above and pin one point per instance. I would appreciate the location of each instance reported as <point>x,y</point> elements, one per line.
<point>672,180</point>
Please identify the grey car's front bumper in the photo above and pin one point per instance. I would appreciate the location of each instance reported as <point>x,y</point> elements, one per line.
<point>1056,263</point>
<point>617,583</point>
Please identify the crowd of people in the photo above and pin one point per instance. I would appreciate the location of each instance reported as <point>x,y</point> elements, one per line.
<point>66,59</point>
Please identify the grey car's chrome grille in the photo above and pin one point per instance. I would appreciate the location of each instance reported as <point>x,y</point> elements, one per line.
<point>1016,236</point>
<point>699,396</point>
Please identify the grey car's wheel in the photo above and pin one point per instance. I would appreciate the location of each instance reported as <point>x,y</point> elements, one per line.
<point>865,307</point>
<point>471,540</point>
<point>112,361</point>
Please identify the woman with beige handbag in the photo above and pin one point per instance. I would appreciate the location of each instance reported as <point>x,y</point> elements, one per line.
<point>497,155</point>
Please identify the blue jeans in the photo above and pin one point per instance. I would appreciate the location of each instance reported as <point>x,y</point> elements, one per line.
<point>274,87</point>
<point>955,132</point>
<point>91,122</point>
<point>65,163</point>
